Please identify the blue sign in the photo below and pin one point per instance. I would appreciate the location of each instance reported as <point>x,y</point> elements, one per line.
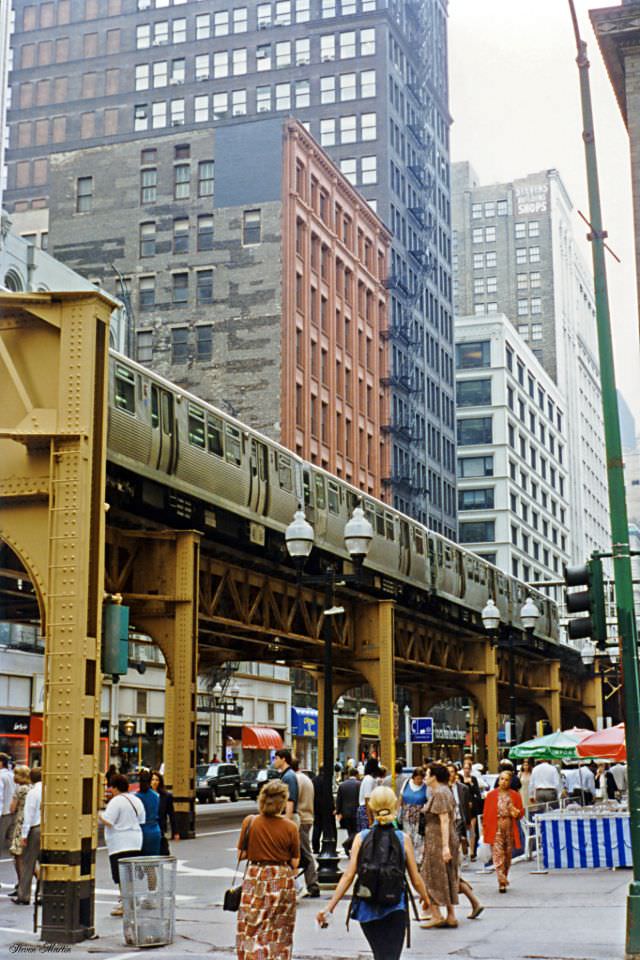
<point>304,722</point>
<point>422,729</point>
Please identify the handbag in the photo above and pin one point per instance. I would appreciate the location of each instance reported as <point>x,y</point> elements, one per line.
<point>233,895</point>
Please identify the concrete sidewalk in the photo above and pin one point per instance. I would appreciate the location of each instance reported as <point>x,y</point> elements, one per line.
<point>578,915</point>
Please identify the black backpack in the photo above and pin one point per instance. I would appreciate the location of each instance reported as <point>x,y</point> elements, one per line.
<point>381,867</point>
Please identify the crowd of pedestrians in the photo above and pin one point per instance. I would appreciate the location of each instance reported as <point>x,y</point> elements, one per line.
<point>424,824</point>
<point>20,803</point>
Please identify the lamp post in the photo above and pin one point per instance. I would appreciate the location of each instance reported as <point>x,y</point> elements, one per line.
<point>336,713</point>
<point>223,700</point>
<point>529,614</point>
<point>299,538</point>
<point>407,735</point>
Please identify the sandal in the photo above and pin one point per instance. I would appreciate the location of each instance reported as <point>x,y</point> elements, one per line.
<point>475,913</point>
<point>431,924</point>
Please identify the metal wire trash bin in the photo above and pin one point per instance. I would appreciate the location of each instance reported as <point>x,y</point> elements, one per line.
<point>148,887</point>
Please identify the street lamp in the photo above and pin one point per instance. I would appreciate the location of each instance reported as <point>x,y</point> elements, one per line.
<point>593,655</point>
<point>223,700</point>
<point>529,614</point>
<point>407,735</point>
<point>299,538</point>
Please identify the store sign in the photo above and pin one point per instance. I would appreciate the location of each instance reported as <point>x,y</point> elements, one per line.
<point>369,726</point>
<point>104,728</point>
<point>344,729</point>
<point>450,733</point>
<point>10,724</point>
<point>304,722</point>
<point>531,198</point>
<point>155,729</point>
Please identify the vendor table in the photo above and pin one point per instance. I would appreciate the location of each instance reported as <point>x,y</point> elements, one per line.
<point>569,841</point>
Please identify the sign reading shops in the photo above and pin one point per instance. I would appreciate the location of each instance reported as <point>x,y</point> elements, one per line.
<point>304,722</point>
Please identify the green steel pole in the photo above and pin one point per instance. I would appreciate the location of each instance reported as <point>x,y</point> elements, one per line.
<point>617,502</point>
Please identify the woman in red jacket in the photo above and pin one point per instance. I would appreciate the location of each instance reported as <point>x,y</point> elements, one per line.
<point>502,810</point>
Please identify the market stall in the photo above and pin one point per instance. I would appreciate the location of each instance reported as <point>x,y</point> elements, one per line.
<point>580,838</point>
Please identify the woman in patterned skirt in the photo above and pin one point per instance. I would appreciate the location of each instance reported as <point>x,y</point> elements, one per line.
<point>502,809</point>
<point>440,861</point>
<point>22,781</point>
<point>271,844</point>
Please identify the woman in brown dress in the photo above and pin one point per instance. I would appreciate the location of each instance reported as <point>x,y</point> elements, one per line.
<point>267,915</point>
<point>440,862</point>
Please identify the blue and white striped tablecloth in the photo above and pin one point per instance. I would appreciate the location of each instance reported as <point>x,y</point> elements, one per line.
<point>575,843</point>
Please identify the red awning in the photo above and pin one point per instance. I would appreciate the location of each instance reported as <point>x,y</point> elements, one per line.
<point>261,738</point>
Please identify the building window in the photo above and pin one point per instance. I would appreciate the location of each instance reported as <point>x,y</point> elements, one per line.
<point>473,393</point>
<point>181,235</point>
<point>347,44</point>
<point>347,86</point>
<point>303,94</point>
<point>179,345</point>
<point>475,466</point>
<point>180,289</point>
<point>205,233</point>
<point>283,96</point>
<point>158,114</point>
<point>239,103</point>
<point>201,109</point>
<point>84,194</point>
<point>147,292</point>
<point>239,61</point>
<point>147,239</point>
<point>367,42</point>
<point>348,170</point>
<point>204,286</point>
<point>203,26</point>
<point>368,126</point>
<point>181,177</point>
<point>148,185</point>
<point>251,228</point>
<point>142,76</point>
<point>220,105</point>
<point>144,346</point>
<point>469,355</point>
<point>477,531</point>
<point>220,64</point>
<point>368,170</point>
<point>205,178</point>
<point>240,20</point>
<point>221,23</point>
<point>481,498</point>
<point>179,30</point>
<point>202,66</point>
<point>204,342</point>
<point>327,89</point>
<point>328,132</point>
<point>348,129</point>
<point>263,99</point>
<point>303,51</point>
<point>177,113</point>
<point>368,83</point>
<point>475,430</point>
<point>534,254</point>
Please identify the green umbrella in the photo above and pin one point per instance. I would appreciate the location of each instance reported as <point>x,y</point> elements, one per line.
<point>554,746</point>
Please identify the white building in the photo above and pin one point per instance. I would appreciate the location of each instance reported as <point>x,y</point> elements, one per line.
<point>513,469</point>
<point>515,253</point>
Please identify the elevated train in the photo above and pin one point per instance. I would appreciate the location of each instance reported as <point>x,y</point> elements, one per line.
<point>187,451</point>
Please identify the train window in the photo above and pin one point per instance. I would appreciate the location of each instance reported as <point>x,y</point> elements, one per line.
<point>380,522</point>
<point>234,447</point>
<point>440,553</point>
<point>167,413</point>
<point>285,475</point>
<point>214,436</point>
<point>321,498</point>
<point>125,390</point>
<point>155,408</point>
<point>389,526</point>
<point>306,483</point>
<point>419,542</point>
<point>333,498</point>
<point>369,511</point>
<point>196,427</point>
<point>448,555</point>
<point>353,500</point>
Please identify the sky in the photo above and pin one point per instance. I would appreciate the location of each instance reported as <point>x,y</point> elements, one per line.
<point>515,102</point>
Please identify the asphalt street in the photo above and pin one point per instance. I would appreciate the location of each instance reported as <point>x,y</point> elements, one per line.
<point>563,915</point>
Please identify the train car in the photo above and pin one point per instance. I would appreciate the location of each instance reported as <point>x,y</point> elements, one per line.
<point>172,445</point>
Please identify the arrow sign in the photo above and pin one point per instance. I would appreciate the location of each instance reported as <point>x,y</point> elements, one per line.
<point>422,729</point>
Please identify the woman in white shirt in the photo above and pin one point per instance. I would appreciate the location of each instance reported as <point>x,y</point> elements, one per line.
<point>122,818</point>
<point>367,786</point>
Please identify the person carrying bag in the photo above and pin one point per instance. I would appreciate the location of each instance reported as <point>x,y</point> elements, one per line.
<point>270,844</point>
<point>381,857</point>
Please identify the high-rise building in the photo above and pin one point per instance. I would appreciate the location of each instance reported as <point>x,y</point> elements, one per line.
<point>6,21</point>
<point>515,253</point>
<point>369,80</point>
<point>266,297</point>
<point>513,483</point>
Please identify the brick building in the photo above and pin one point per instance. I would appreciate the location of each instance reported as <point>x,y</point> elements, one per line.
<point>368,78</point>
<point>266,298</point>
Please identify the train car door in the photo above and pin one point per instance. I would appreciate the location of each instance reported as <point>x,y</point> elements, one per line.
<point>405,548</point>
<point>162,429</point>
<point>258,477</point>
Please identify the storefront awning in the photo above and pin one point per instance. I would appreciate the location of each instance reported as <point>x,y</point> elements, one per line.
<point>261,738</point>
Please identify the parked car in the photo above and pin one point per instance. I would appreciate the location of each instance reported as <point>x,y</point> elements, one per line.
<point>252,780</point>
<point>215,780</point>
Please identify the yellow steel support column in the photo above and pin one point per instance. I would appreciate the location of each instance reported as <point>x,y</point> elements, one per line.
<point>53,370</point>
<point>485,691</point>
<point>551,700</point>
<point>171,564</point>
<point>592,698</point>
<point>374,658</point>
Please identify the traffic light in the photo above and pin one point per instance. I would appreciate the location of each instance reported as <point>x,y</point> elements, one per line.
<point>590,600</point>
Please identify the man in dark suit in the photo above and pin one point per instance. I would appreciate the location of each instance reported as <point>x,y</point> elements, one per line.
<point>464,806</point>
<point>347,807</point>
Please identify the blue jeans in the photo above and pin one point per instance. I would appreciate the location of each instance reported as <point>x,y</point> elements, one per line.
<point>386,936</point>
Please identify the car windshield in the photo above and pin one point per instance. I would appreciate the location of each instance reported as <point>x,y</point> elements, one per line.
<point>201,769</point>
<point>212,769</point>
<point>249,774</point>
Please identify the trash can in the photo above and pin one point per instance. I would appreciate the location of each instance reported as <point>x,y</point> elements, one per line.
<point>148,887</point>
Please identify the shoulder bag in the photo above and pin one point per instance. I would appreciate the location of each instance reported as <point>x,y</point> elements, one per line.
<point>233,894</point>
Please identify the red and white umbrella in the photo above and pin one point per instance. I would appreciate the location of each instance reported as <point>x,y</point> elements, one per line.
<point>578,733</point>
<point>608,744</point>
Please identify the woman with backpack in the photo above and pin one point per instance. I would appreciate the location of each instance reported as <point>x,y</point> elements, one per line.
<point>379,857</point>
